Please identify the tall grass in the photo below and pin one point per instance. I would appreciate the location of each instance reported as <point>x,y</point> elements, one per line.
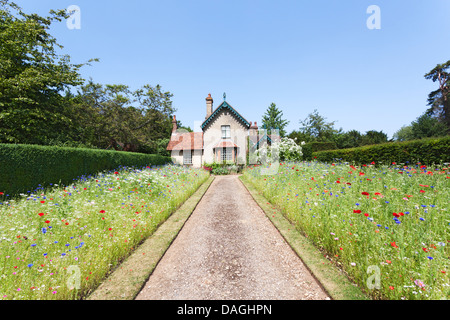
<point>392,219</point>
<point>60,244</point>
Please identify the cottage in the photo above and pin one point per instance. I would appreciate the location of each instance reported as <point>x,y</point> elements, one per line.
<point>224,137</point>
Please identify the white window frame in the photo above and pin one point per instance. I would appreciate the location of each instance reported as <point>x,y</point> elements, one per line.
<point>187,157</point>
<point>226,132</point>
<point>226,154</point>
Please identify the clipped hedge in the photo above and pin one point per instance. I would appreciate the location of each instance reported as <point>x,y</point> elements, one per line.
<point>426,151</point>
<point>26,167</point>
<point>309,148</point>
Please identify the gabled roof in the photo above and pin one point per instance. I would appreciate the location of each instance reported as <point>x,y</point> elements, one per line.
<point>225,105</point>
<point>186,141</point>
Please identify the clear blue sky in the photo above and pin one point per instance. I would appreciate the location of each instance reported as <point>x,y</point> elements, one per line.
<point>301,55</point>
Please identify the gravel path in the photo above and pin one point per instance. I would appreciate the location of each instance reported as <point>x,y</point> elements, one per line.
<point>229,250</point>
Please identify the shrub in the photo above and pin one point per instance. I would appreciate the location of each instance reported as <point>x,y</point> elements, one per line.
<point>285,150</point>
<point>220,171</point>
<point>26,167</point>
<point>311,147</point>
<point>426,151</point>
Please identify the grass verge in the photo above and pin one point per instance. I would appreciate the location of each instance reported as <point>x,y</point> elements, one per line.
<point>333,280</point>
<point>128,279</point>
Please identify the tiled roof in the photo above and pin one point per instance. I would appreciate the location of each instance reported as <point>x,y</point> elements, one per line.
<point>186,141</point>
<point>225,144</point>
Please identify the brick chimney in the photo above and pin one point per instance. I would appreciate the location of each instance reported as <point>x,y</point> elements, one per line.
<point>174,125</point>
<point>253,130</point>
<point>209,106</point>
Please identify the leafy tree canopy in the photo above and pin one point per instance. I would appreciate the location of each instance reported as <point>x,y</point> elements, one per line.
<point>32,77</point>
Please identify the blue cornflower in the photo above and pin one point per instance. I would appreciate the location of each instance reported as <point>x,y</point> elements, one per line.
<point>422,219</point>
<point>44,230</point>
<point>30,265</point>
<point>67,244</point>
<point>63,254</point>
<point>431,258</point>
<point>34,245</point>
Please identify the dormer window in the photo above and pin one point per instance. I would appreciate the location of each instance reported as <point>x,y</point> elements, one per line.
<point>226,132</point>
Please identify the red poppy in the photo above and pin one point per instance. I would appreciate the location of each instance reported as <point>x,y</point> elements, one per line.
<point>42,201</point>
<point>425,249</point>
<point>422,191</point>
<point>338,181</point>
<point>1,193</point>
<point>67,223</point>
<point>47,221</point>
<point>394,245</point>
<point>389,261</point>
<point>349,183</point>
<point>373,162</point>
<point>401,213</point>
<point>365,193</point>
<point>391,287</point>
<point>116,172</point>
<point>396,214</point>
<point>41,214</point>
<point>366,214</point>
<point>361,173</point>
<point>356,211</point>
<point>377,194</point>
<point>102,211</point>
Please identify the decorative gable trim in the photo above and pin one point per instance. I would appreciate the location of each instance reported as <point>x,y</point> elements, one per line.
<point>225,105</point>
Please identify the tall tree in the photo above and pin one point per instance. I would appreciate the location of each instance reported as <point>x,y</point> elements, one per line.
<point>315,126</point>
<point>272,119</point>
<point>32,77</point>
<point>114,116</point>
<point>439,100</point>
<point>374,137</point>
<point>349,139</point>
<point>425,126</point>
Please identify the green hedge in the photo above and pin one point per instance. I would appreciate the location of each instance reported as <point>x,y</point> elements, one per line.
<point>309,148</point>
<point>426,151</point>
<point>26,167</point>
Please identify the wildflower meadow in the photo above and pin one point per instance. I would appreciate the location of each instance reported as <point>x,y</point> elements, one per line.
<point>62,242</point>
<point>386,226</point>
